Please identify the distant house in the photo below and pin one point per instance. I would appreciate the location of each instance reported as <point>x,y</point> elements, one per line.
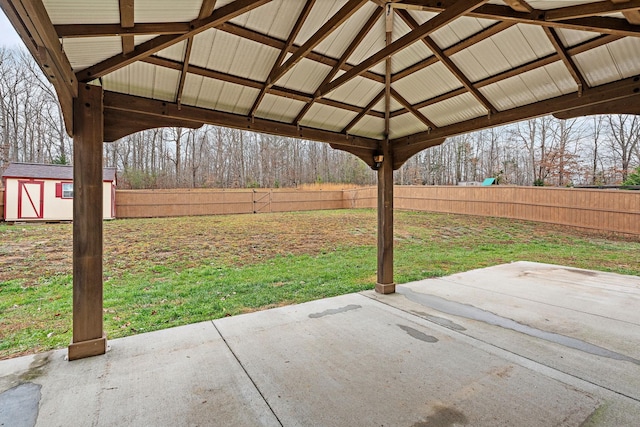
<point>37,192</point>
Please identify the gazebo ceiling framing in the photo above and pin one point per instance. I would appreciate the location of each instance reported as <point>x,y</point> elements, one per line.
<point>357,74</point>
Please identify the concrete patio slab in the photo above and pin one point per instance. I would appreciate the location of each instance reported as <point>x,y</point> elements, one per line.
<point>520,344</point>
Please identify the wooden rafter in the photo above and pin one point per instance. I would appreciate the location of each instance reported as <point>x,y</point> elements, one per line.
<point>524,68</point>
<point>591,9</point>
<point>598,24</point>
<point>343,59</point>
<point>151,107</point>
<point>452,50</point>
<point>351,7</point>
<point>447,62</point>
<point>627,89</point>
<point>364,111</point>
<point>406,104</point>
<point>69,31</point>
<point>304,14</point>
<point>156,44</point>
<point>184,71</point>
<point>633,16</point>
<point>566,59</point>
<point>255,84</point>
<point>519,5</point>
<point>455,11</point>
<point>206,9</point>
<point>127,20</point>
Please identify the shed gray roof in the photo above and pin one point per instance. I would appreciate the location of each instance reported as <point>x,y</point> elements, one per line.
<point>42,171</point>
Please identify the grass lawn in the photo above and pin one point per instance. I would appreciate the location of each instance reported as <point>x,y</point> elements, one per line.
<point>160,273</point>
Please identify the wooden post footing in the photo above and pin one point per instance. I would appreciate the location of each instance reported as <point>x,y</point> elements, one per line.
<point>385,289</point>
<point>82,349</point>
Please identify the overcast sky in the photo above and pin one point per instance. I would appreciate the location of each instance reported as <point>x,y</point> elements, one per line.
<point>8,36</point>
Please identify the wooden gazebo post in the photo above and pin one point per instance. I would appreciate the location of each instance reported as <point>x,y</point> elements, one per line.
<point>88,336</point>
<point>385,284</point>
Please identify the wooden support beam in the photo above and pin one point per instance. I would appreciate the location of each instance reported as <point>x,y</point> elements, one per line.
<point>627,90</point>
<point>597,24</point>
<point>591,9</point>
<point>162,109</point>
<point>183,71</point>
<point>552,35</point>
<point>385,283</point>
<point>402,153</point>
<point>519,5</point>
<point>89,338</point>
<point>127,20</point>
<point>118,124</point>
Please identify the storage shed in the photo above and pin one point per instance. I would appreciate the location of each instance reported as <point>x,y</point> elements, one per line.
<point>38,192</point>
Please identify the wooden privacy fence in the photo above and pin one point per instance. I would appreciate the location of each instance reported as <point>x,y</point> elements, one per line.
<point>605,210</point>
<point>181,202</point>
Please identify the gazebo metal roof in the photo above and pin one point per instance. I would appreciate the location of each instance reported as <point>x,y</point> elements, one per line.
<point>348,72</point>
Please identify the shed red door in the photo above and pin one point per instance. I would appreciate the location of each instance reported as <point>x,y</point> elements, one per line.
<point>30,199</point>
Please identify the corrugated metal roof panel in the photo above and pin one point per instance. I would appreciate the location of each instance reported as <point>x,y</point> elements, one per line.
<point>166,10</point>
<point>551,4</point>
<point>275,19</point>
<point>596,66</point>
<point>175,52</point>
<point>521,44</point>
<point>482,60</point>
<point>458,109</point>
<point>358,91</point>
<point>278,108</point>
<point>626,56</point>
<point>379,107</point>
<point>305,76</point>
<point>537,40</point>
<point>254,63</point>
<point>368,127</point>
<point>549,81</point>
<point>82,11</point>
<point>85,52</point>
<point>326,117</point>
<point>145,80</point>
<point>459,30</point>
<point>209,93</point>
<point>412,54</point>
<point>338,41</point>
<point>572,37</point>
<point>320,12</point>
<point>405,124</point>
<point>427,83</point>
<point>508,94</point>
<point>372,43</point>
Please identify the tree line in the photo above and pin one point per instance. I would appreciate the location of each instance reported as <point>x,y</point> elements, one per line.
<point>597,150</point>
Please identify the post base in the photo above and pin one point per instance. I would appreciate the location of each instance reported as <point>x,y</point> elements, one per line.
<point>385,289</point>
<point>82,349</point>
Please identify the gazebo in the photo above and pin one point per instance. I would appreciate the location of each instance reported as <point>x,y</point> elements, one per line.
<point>381,80</point>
